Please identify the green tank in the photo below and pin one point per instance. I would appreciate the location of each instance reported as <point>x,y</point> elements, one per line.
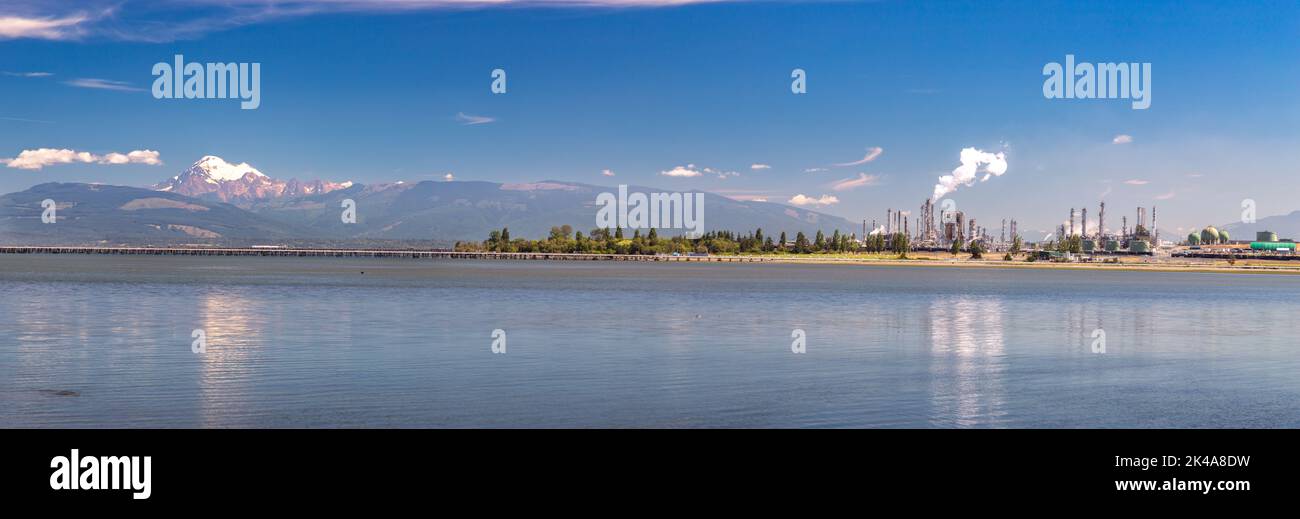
<point>1112,246</point>
<point>1273,245</point>
<point>1089,245</point>
<point>1139,247</point>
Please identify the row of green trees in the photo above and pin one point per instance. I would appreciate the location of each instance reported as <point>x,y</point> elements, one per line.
<point>615,241</point>
<point>563,239</point>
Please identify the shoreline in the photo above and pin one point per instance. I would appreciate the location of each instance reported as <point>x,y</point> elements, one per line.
<point>813,259</point>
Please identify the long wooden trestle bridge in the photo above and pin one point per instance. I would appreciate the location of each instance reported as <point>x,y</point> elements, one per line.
<point>369,253</point>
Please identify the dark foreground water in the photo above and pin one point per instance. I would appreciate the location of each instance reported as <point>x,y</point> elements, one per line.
<point>102,341</point>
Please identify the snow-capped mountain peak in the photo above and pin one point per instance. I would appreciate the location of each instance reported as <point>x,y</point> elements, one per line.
<point>240,184</point>
<point>217,169</point>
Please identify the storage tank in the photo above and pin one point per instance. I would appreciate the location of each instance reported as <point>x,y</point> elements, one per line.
<point>1112,245</point>
<point>1266,236</point>
<point>1273,246</point>
<point>1139,247</point>
<point>1089,245</point>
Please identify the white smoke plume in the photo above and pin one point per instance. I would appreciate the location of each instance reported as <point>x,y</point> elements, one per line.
<point>994,165</point>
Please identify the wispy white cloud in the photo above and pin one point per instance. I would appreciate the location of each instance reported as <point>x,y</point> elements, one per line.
<point>803,201</point>
<point>862,180</point>
<point>815,170</point>
<point>42,157</point>
<point>168,20</point>
<point>607,172</point>
<point>871,155</point>
<point>470,120</point>
<point>1122,139</point>
<point>28,74</point>
<point>1166,196</point>
<point>1137,182</point>
<point>51,27</point>
<point>757,166</point>
<point>449,177</point>
<point>103,84</point>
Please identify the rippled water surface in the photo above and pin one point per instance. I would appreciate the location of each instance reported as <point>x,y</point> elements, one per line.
<point>104,341</point>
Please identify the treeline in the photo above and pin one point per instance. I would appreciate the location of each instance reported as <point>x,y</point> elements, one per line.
<point>616,241</point>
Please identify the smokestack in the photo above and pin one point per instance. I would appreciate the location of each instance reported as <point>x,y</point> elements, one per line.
<point>1155,230</point>
<point>1071,222</point>
<point>1101,225</point>
<point>1084,223</point>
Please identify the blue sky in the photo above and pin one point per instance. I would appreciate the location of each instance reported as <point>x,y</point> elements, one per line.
<point>370,92</point>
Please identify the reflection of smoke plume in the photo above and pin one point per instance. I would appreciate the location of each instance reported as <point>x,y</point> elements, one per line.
<point>995,164</point>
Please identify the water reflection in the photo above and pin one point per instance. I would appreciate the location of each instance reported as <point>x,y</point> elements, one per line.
<point>233,324</point>
<point>966,361</point>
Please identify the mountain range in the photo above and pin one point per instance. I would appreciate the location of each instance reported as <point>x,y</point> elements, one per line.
<point>216,202</point>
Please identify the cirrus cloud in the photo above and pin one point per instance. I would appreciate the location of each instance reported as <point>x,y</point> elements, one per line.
<point>471,120</point>
<point>871,155</point>
<point>862,180</point>
<point>42,27</point>
<point>103,84</point>
<point>170,20</point>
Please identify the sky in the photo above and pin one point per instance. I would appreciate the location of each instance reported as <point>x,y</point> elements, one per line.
<point>680,95</point>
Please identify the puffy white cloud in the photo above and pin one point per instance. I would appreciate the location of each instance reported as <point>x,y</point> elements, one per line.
<point>449,177</point>
<point>802,200</point>
<point>1122,139</point>
<point>42,157</point>
<point>861,180</point>
<point>691,171</point>
<point>687,171</point>
<point>607,172</point>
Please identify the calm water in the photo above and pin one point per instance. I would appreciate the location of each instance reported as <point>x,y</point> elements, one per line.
<point>101,341</point>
